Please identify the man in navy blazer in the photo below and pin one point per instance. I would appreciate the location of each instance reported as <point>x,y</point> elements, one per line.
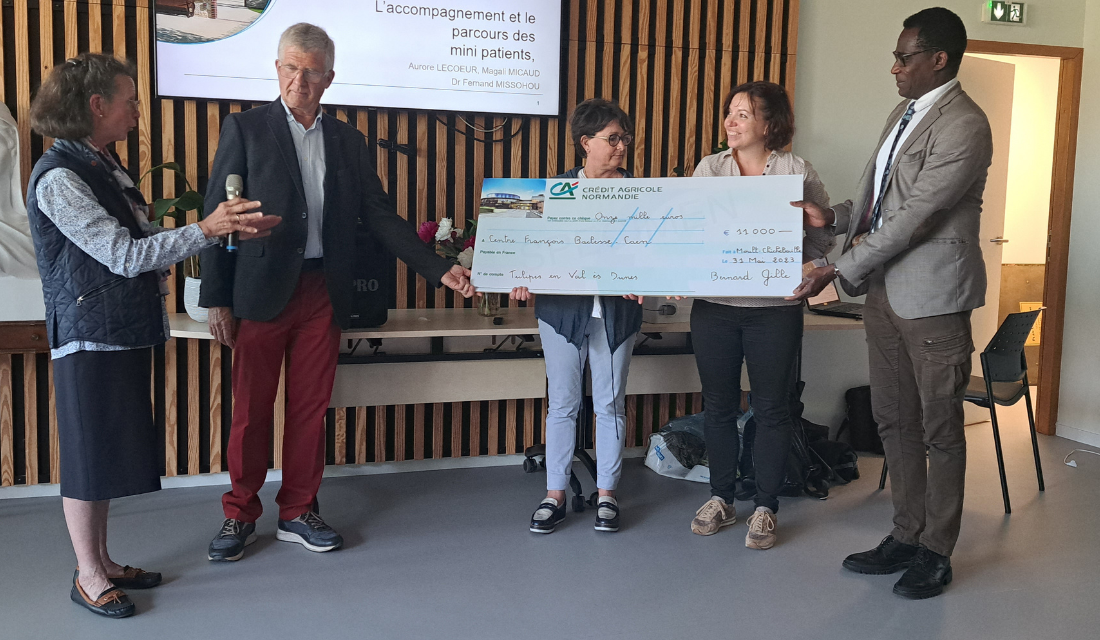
<point>289,294</point>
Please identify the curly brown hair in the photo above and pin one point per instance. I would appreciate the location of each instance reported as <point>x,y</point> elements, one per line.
<point>61,108</point>
<point>776,109</point>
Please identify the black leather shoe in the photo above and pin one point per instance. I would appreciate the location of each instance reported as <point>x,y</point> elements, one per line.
<point>112,603</point>
<point>889,556</point>
<point>607,514</point>
<point>134,578</point>
<point>548,516</point>
<point>926,576</point>
<point>229,544</point>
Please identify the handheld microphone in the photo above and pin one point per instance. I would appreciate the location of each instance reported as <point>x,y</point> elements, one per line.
<point>234,186</point>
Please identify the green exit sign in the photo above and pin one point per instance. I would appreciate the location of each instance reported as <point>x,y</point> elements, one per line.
<point>1005,12</point>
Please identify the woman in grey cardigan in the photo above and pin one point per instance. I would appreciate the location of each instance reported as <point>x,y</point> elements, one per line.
<point>600,329</point>
<point>766,333</point>
<point>103,269</point>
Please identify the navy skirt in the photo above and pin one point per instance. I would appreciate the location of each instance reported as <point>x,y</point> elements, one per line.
<point>105,429</point>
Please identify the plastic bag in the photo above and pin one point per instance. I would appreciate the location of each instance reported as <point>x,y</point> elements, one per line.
<point>678,450</point>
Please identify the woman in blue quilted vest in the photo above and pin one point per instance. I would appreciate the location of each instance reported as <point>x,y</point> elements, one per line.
<point>104,269</point>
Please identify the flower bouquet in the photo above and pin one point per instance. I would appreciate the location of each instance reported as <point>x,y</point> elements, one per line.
<point>454,244</point>
<point>457,245</point>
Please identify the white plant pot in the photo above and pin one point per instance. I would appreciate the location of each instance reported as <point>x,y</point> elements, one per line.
<point>191,299</point>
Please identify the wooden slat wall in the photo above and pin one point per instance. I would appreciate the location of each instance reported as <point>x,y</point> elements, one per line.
<point>669,63</point>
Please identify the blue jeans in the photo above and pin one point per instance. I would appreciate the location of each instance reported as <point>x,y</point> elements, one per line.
<point>565,388</point>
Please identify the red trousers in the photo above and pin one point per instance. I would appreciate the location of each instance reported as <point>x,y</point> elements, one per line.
<point>307,335</point>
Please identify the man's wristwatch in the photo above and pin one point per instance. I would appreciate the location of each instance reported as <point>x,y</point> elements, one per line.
<point>836,271</point>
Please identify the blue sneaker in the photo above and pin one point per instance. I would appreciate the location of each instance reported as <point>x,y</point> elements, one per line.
<point>229,544</point>
<point>310,531</point>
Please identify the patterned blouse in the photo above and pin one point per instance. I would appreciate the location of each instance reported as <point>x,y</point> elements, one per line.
<point>70,204</point>
<point>816,243</point>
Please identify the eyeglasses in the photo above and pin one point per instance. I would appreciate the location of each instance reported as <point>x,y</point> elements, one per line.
<point>290,72</point>
<point>903,58</point>
<point>614,139</point>
<point>134,103</point>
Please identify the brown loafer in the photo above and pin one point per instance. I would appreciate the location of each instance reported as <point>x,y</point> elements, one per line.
<point>135,578</point>
<point>112,603</point>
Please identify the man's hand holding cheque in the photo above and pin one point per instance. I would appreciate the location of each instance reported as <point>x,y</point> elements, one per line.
<point>818,278</point>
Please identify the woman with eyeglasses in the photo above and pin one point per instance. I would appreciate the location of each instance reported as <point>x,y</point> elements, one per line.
<point>599,329</point>
<point>765,333</point>
<point>103,268</point>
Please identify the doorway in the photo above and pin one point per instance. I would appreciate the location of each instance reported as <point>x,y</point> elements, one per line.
<point>1031,94</point>
<point>1019,95</point>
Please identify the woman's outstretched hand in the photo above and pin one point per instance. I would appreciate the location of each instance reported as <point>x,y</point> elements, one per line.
<point>238,215</point>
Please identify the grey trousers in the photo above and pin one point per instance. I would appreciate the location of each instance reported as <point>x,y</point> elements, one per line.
<point>919,371</point>
<point>565,388</point>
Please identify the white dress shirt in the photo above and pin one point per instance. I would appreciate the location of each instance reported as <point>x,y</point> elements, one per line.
<point>309,145</point>
<point>920,107</point>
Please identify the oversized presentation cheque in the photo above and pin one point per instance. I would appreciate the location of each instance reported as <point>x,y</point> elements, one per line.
<point>658,236</point>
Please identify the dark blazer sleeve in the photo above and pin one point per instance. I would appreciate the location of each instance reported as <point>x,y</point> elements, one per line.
<point>218,266</point>
<point>396,233</point>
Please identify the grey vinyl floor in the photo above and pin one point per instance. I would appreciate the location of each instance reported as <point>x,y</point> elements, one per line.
<point>446,554</point>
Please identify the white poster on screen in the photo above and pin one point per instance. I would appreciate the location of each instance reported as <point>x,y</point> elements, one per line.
<point>488,56</point>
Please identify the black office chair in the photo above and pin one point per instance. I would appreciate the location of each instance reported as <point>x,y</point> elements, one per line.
<point>1004,379</point>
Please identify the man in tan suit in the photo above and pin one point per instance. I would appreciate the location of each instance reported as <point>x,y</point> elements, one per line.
<point>911,244</point>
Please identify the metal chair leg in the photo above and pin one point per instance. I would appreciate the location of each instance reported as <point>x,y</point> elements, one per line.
<point>1031,422</point>
<point>587,461</point>
<point>882,478</point>
<point>1000,455</point>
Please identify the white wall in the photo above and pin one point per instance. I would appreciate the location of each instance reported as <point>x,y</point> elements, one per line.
<point>1030,157</point>
<point>21,299</point>
<point>1079,404</point>
<point>844,91</point>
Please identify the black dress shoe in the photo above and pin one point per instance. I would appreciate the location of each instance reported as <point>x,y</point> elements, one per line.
<point>548,516</point>
<point>607,514</point>
<point>112,603</point>
<point>134,578</point>
<point>926,576</point>
<point>889,556</point>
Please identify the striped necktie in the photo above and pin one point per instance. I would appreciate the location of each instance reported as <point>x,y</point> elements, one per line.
<point>877,211</point>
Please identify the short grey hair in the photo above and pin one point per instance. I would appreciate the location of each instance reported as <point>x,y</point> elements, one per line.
<point>309,38</point>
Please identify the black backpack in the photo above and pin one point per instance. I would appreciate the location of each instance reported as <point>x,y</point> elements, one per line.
<point>807,471</point>
<point>859,425</point>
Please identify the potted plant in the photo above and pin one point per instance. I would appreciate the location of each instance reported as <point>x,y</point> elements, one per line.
<point>458,246</point>
<point>177,209</point>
